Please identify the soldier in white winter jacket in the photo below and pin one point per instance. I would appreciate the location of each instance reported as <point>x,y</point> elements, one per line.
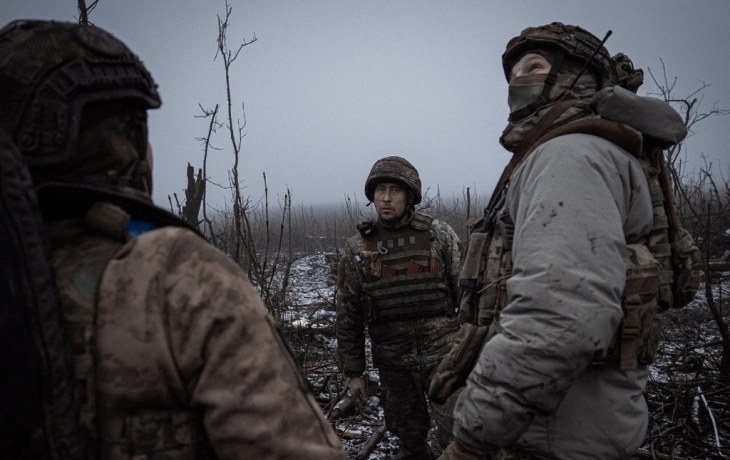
<point>545,384</point>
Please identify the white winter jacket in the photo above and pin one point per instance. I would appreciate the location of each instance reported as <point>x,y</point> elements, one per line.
<point>575,201</point>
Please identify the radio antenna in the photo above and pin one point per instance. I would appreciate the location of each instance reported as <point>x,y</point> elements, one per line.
<point>585,66</point>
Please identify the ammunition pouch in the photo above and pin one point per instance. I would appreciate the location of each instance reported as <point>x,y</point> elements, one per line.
<point>671,245</point>
<point>637,339</point>
<point>484,273</point>
<point>451,373</point>
<point>407,296</point>
<point>400,278</point>
<point>443,416</point>
<point>687,259</point>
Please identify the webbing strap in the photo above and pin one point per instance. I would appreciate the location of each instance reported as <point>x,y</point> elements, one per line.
<point>529,140</point>
<point>401,279</point>
<point>405,255</point>
<point>629,335</point>
<point>413,296</point>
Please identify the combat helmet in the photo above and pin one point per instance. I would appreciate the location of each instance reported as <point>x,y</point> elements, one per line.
<point>394,169</point>
<point>561,41</point>
<point>50,71</point>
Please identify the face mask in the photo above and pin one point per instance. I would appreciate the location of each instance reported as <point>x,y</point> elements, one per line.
<point>523,90</point>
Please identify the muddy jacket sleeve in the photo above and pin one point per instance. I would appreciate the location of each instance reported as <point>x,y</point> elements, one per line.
<point>204,340</point>
<point>573,201</point>
<point>350,316</point>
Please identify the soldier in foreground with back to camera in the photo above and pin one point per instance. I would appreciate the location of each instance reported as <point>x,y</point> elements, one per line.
<point>174,355</point>
<point>398,276</point>
<point>566,275</point>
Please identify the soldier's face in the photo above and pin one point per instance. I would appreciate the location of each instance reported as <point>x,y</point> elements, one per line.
<point>390,201</point>
<point>530,64</point>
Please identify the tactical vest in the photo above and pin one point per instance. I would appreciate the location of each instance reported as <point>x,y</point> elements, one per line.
<point>653,265</point>
<point>140,433</point>
<point>400,278</point>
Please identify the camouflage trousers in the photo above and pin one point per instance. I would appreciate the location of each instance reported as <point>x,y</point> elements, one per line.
<point>406,410</point>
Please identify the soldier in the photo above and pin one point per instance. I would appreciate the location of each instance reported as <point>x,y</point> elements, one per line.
<point>398,276</point>
<point>174,354</point>
<point>563,367</point>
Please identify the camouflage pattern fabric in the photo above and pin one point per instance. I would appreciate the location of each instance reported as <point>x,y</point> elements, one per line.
<point>404,350</point>
<point>394,169</point>
<point>402,344</point>
<point>406,410</point>
<point>572,40</point>
<point>185,358</point>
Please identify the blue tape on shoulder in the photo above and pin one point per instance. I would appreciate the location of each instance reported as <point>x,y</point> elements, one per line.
<point>138,227</point>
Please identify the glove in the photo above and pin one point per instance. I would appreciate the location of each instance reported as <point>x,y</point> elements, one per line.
<point>456,450</point>
<point>356,386</point>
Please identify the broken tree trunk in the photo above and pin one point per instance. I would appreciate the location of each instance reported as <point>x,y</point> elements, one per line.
<point>372,442</point>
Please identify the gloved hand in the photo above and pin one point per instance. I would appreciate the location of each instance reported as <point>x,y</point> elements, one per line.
<point>356,386</point>
<point>456,450</point>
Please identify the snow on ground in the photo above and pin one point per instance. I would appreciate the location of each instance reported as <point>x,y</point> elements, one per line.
<point>689,345</point>
<point>310,296</point>
<point>312,280</point>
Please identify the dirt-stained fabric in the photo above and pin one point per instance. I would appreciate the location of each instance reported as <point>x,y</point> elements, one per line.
<point>405,350</point>
<point>576,201</point>
<point>185,361</point>
<point>406,410</point>
<point>405,343</point>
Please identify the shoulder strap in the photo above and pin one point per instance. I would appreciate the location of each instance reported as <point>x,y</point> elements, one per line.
<point>622,135</point>
<point>528,143</point>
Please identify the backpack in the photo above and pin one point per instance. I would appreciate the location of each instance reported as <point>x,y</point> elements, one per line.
<point>670,243</point>
<point>38,400</point>
<point>661,273</point>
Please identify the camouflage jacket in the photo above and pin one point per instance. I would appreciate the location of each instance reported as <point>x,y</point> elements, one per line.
<point>398,343</point>
<point>177,356</point>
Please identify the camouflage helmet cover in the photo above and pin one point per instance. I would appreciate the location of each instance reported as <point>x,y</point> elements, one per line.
<point>573,40</point>
<point>50,70</point>
<point>394,169</point>
<point>627,76</point>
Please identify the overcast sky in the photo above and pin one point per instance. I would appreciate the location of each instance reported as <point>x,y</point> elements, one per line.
<point>331,86</point>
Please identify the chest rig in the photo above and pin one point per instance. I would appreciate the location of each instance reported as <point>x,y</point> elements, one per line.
<point>487,266</point>
<point>651,264</point>
<point>400,278</point>
<point>80,255</point>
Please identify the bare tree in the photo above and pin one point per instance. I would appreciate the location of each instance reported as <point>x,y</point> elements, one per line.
<point>690,107</point>
<point>213,115</point>
<point>235,130</point>
<point>702,201</point>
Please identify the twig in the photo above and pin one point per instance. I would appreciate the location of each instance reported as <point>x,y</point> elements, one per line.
<point>712,417</point>
<point>372,442</point>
